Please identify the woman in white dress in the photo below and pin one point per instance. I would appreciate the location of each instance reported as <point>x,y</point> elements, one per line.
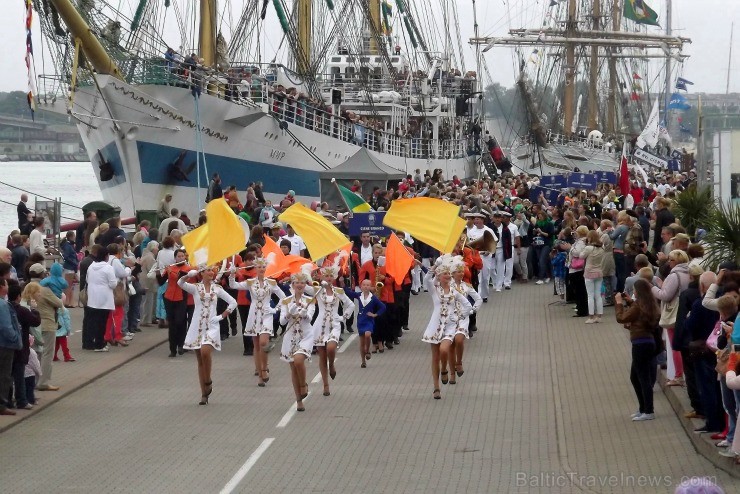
<point>296,312</point>
<point>461,334</point>
<point>259,320</point>
<point>440,332</point>
<point>328,325</point>
<point>204,334</point>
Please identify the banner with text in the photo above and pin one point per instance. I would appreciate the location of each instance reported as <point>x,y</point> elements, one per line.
<point>371,223</point>
<point>585,181</point>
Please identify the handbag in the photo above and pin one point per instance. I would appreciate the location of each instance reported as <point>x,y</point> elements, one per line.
<point>577,263</point>
<point>120,295</point>
<point>669,310</point>
<point>83,296</point>
<point>723,358</point>
<point>698,349</point>
<point>714,336</point>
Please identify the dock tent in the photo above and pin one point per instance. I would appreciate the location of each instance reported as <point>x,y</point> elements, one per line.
<point>362,166</point>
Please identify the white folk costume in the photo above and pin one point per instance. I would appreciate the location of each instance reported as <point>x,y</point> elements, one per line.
<point>464,320</point>
<point>328,324</point>
<point>299,335</point>
<point>443,323</point>
<point>259,320</point>
<point>204,328</point>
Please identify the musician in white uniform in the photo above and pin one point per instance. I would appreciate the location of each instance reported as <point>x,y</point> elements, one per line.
<point>508,235</point>
<point>474,233</point>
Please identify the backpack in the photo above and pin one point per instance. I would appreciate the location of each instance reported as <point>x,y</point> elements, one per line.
<point>633,240</point>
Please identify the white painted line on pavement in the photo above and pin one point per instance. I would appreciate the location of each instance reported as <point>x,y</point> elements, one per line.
<point>289,414</point>
<point>347,342</point>
<point>244,470</point>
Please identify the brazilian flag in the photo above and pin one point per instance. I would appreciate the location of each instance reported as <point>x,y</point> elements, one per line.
<point>638,11</point>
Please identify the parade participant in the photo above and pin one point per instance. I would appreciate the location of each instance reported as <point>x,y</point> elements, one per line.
<point>474,233</point>
<point>203,334</point>
<point>176,303</point>
<point>509,241</point>
<point>386,327</point>
<point>369,307</point>
<point>473,264</point>
<point>243,302</point>
<point>259,320</point>
<point>296,312</point>
<point>458,343</point>
<point>327,326</point>
<point>443,324</point>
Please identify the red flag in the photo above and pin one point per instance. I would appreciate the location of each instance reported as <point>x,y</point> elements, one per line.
<point>635,75</point>
<point>398,260</point>
<point>624,176</point>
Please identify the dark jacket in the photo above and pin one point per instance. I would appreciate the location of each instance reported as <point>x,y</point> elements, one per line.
<point>681,336</point>
<point>69,256</point>
<point>700,322</point>
<point>110,236</point>
<point>19,258</point>
<point>84,264</point>
<point>663,217</point>
<point>27,318</point>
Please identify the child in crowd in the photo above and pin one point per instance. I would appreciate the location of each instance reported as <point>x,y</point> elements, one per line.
<point>57,284</point>
<point>559,271</point>
<point>368,308</point>
<point>32,373</point>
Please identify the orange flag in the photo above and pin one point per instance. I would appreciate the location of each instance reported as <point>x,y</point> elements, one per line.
<point>398,260</point>
<point>279,262</point>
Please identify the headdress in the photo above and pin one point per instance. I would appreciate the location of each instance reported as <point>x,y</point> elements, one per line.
<point>304,274</point>
<point>261,262</point>
<point>448,263</point>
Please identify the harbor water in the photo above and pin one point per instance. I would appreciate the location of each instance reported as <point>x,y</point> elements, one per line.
<point>74,183</point>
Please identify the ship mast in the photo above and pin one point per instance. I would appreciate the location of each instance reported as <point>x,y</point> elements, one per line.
<point>611,108</point>
<point>207,32</point>
<point>303,58</point>
<point>593,99</point>
<point>376,26</point>
<point>570,68</point>
<point>668,12</point>
<point>94,51</point>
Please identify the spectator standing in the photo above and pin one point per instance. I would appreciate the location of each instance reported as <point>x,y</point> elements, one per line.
<point>10,342</point>
<point>37,237</point>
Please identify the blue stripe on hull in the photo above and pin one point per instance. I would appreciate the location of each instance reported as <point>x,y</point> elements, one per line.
<point>156,163</point>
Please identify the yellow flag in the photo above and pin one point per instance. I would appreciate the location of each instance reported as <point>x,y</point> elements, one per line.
<point>433,221</point>
<point>220,238</point>
<point>320,236</point>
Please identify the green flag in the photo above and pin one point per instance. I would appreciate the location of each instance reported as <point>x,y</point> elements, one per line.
<point>354,202</point>
<point>638,11</point>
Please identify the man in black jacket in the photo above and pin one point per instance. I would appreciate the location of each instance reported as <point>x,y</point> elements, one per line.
<point>663,217</point>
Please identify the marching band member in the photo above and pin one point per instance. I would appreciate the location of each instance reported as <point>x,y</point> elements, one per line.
<point>508,234</point>
<point>443,324</point>
<point>259,321</point>
<point>327,327</point>
<point>203,335</point>
<point>369,307</point>
<point>386,327</point>
<point>296,312</point>
<point>462,332</point>
<point>474,233</point>
<point>473,265</point>
<point>176,303</point>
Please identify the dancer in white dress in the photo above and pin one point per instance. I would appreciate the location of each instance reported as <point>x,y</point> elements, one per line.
<point>328,325</point>
<point>204,333</point>
<point>461,334</point>
<point>296,312</point>
<point>259,320</point>
<point>443,323</point>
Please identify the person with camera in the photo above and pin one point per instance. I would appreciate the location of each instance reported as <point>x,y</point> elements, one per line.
<point>640,317</point>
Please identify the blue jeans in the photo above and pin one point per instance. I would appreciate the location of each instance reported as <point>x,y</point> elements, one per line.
<point>709,393</point>
<point>542,254</point>
<point>728,400</point>
<point>620,270</point>
<point>134,312</point>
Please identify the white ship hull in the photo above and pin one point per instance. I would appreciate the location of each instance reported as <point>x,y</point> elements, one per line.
<point>141,131</point>
<point>559,158</point>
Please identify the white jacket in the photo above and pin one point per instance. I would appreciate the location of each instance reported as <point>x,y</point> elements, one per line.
<point>101,280</point>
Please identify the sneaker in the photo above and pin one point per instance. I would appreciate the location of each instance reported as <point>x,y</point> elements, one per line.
<point>498,289</point>
<point>539,282</point>
<point>104,349</point>
<point>128,337</point>
<point>27,406</point>
<point>723,444</point>
<point>728,453</point>
<point>644,416</point>
<point>507,288</point>
<point>635,414</point>
<point>547,280</point>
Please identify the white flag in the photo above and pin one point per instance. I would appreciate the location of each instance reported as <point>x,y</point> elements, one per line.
<point>650,135</point>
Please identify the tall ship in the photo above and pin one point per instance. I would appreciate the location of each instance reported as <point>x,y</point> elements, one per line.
<point>165,93</point>
<point>589,76</point>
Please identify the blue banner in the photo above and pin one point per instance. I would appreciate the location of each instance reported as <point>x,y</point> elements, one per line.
<point>606,177</point>
<point>550,195</point>
<point>554,181</point>
<point>674,165</point>
<point>585,181</point>
<point>368,223</point>
<point>678,102</point>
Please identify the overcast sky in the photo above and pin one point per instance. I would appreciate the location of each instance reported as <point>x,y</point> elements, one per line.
<point>706,22</point>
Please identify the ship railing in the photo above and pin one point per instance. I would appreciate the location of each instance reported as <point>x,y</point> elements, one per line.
<point>296,112</point>
<point>580,141</point>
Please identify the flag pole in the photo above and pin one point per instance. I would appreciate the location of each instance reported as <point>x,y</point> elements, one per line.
<point>334,181</point>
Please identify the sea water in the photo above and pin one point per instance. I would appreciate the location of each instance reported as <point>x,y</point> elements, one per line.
<point>74,183</point>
